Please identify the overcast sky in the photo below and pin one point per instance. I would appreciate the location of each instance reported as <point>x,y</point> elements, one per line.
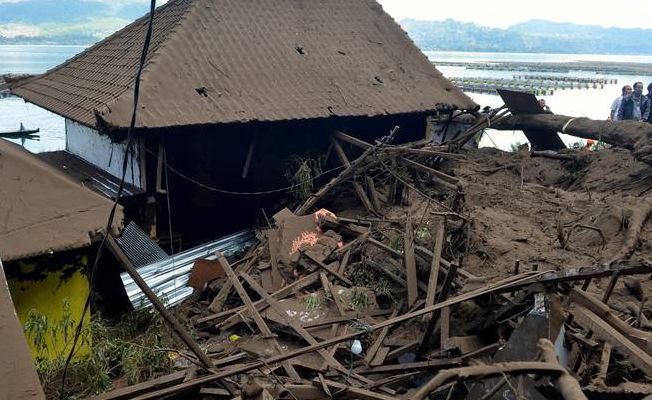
<point>503,13</point>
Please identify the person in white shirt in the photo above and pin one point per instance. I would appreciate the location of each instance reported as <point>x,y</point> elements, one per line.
<point>615,106</point>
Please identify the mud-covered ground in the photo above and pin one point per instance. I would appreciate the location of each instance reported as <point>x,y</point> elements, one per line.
<point>520,206</point>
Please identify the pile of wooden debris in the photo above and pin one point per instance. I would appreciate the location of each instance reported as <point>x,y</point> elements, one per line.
<point>434,274</point>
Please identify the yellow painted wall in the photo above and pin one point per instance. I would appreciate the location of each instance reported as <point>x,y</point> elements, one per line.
<point>47,295</point>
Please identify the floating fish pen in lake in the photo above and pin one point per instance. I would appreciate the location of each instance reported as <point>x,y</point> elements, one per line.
<point>592,82</point>
<point>502,67</point>
<point>537,85</point>
<point>604,68</point>
<point>485,88</point>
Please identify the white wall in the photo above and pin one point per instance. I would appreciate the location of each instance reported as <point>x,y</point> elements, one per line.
<point>98,150</point>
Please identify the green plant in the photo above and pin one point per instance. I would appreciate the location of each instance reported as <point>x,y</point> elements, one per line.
<point>132,349</point>
<point>359,300</point>
<point>312,302</point>
<point>384,288</point>
<point>301,173</point>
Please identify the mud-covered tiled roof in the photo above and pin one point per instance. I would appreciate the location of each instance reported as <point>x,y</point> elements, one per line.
<point>224,61</point>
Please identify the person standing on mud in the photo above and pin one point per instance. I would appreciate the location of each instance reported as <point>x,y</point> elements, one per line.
<point>615,106</point>
<point>635,107</point>
<point>649,97</point>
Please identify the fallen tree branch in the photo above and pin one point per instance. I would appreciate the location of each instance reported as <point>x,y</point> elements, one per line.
<point>489,371</point>
<point>636,221</point>
<point>627,134</point>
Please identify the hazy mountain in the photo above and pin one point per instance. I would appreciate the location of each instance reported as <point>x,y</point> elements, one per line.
<point>535,36</point>
<point>65,21</point>
<point>87,21</point>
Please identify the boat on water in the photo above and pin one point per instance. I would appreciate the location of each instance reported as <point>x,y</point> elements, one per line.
<point>21,133</point>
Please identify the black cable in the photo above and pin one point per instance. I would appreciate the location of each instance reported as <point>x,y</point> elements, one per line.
<point>109,224</point>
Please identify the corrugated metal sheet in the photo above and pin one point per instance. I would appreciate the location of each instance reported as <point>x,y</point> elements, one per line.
<point>139,248</point>
<point>168,278</point>
<point>222,61</point>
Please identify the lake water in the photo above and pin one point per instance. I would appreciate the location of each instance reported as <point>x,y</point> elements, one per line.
<point>18,59</point>
<point>592,103</point>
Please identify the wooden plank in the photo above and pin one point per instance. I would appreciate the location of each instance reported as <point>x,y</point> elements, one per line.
<point>410,263</point>
<point>159,169</point>
<point>406,348</point>
<point>385,247</point>
<point>444,326</point>
<point>415,366</point>
<point>443,295</point>
<point>218,302</point>
<point>260,323</point>
<point>373,193</point>
<point>326,269</point>
<point>144,387</point>
<point>364,199</point>
<point>379,358</point>
<point>272,243</point>
<point>441,178</point>
<point>434,265</point>
<point>352,140</point>
<point>356,392</point>
<point>589,320</point>
<point>371,353</point>
<point>641,338</point>
<point>345,260</point>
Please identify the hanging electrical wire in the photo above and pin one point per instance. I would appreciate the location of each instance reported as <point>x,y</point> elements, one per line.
<point>109,224</point>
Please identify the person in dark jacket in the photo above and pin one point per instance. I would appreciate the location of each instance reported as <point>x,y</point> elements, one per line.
<point>649,97</point>
<point>635,107</point>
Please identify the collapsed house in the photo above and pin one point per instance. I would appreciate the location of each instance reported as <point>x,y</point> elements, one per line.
<point>463,275</point>
<point>48,237</point>
<point>231,93</point>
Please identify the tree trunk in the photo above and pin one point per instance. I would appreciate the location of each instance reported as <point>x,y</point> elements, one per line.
<point>631,135</point>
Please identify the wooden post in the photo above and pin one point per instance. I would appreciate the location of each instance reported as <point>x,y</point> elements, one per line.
<point>410,263</point>
<point>434,265</point>
<point>610,288</point>
<point>443,294</point>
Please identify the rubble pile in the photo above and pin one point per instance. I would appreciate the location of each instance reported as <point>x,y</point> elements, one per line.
<point>432,274</point>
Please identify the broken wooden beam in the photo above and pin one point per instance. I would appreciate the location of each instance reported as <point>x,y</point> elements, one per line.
<point>641,338</point>
<point>441,178</point>
<point>410,263</point>
<point>436,260</point>
<point>602,330</point>
<point>130,392</point>
<point>325,268</point>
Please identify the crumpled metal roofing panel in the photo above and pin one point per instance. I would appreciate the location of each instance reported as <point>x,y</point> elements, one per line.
<point>225,61</point>
<point>168,278</point>
<point>138,247</point>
